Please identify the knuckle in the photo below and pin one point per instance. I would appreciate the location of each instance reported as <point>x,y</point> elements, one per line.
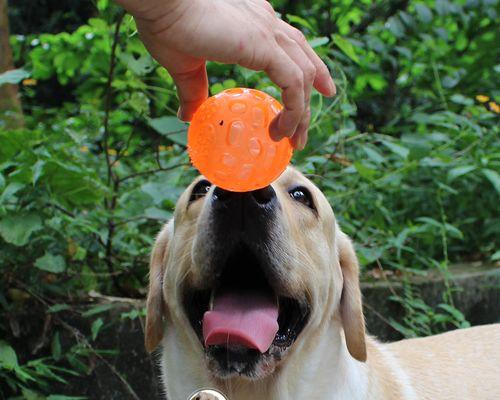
<point>309,72</point>
<point>298,36</point>
<point>268,6</point>
<point>297,78</point>
<point>280,36</point>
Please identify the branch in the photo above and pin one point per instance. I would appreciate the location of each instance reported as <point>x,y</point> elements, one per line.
<point>107,101</point>
<point>123,150</point>
<point>151,171</point>
<point>111,178</point>
<point>61,209</point>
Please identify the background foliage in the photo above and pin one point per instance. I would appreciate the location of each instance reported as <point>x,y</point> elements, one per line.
<point>407,153</point>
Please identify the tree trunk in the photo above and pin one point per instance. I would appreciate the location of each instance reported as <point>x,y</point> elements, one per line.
<point>10,106</point>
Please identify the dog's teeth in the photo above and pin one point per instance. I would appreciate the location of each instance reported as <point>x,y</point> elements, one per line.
<point>211,302</point>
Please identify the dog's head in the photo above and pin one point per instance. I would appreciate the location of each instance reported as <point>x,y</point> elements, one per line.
<point>245,277</point>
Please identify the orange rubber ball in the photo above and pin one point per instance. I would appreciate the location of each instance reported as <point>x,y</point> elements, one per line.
<point>229,141</point>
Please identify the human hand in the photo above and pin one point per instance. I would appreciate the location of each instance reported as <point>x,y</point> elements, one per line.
<point>183,34</point>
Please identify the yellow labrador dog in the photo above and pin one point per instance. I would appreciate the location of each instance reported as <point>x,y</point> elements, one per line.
<point>256,294</point>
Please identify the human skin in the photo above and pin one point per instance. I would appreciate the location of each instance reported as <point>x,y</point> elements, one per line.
<point>183,34</point>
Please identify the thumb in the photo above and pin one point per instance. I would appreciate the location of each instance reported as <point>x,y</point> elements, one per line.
<point>192,89</point>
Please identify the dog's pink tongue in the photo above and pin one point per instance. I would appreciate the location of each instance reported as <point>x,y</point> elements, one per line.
<point>244,318</point>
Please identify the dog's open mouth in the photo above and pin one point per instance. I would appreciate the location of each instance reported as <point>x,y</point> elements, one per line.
<point>240,319</point>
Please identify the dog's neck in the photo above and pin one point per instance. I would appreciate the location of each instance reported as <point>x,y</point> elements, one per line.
<point>323,369</point>
<point>326,370</point>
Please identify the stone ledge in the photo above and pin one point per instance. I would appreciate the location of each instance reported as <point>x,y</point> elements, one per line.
<point>476,292</point>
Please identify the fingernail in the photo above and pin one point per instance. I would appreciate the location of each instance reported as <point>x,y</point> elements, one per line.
<point>333,88</point>
<point>301,142</point>
<point>273,130</point>
<point>296,141</point>
<point>287,125</point>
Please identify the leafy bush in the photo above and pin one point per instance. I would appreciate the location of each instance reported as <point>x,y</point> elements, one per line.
<point>407,153</point>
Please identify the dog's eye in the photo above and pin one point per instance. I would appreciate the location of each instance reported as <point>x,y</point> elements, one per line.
<point>302,195</point>
<point>200,190</point>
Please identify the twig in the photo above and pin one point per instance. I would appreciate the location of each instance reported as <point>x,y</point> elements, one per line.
<point>123,150</point>
<point>151,171</point>
<point>110,205</point>
<point>42,341</point>
<point>113,299</point>
<point>378,315</point>
<point>107,101</point>
<point>62,209</point>
<point>385,278</point>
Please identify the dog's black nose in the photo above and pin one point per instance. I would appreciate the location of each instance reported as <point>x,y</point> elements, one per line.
<point>262,197</point>
<point>248,214</point>
<point>246,217</point>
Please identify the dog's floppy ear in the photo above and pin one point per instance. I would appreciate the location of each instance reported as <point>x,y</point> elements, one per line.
<point>351,308</point>
<point>155,302</point>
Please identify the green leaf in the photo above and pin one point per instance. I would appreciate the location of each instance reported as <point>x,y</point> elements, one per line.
<point>51,263</point>
<point>457,314</point>
<point>443,7</point>
<point>29,394</point>
<point>14,142</point>
<point>406,332</point>
<point>64,397</point>
<point>423,12</point>
<point>2,181</point>
<point>373,154</point>
<point>396,148</point>
<point>216,88</point>
<point>493,177</point>
<point>9,192</point>
<point>376,81</point>
<point>102,4</point>
<point>458,98</point>
<point>459,171</point>
<point>58,307</point>
<point>139,102</point>
<point>139,66</point>
<point>71,183</point>
<point>170,127</point>
<point>37,170</point>
<point>156,213</point>
<point>96,327</point>
<point>17,228</point>
<point>8,357</point>
<point>318,41</point>
<point>13,76</point>
<point>97,310</point>
<point>454,231</point>
<point>430,221</point>
<point>160,192</point>
<point>56,346</point>
<point>294,19</point>
<point>346,47</point>
<point>364,171</point>
<point>396,26</point>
